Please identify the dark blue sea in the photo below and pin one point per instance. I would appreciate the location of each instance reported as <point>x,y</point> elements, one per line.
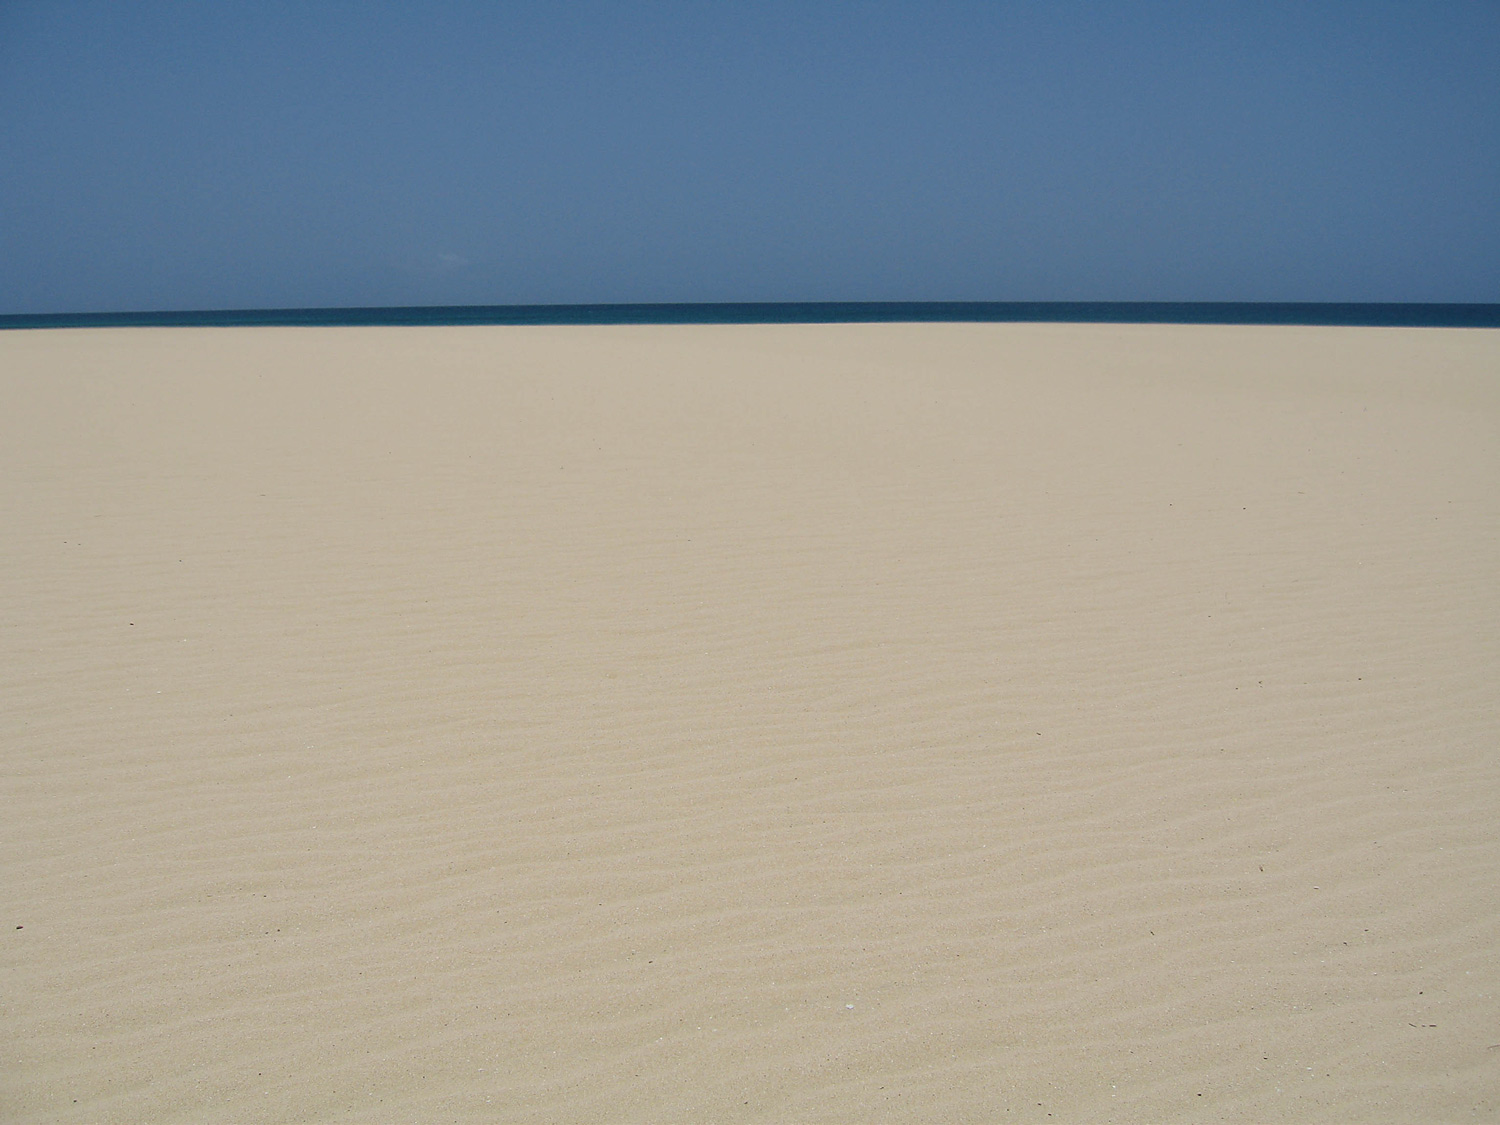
<point>817,312</point>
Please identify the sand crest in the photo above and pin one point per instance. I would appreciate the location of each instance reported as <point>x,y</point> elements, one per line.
<point>800,723</point>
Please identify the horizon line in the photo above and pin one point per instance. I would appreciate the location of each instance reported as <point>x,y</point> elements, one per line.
<point>1414,314</point>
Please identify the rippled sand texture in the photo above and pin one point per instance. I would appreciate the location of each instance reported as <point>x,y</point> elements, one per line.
<point>853,723</point>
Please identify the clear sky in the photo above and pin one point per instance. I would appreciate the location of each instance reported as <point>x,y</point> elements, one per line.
<point>240,155</point>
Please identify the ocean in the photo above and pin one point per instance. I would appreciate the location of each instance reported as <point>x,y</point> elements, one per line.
<point>815,312</point>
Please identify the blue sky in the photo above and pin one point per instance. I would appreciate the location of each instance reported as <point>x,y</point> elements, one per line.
<point>227,155</point>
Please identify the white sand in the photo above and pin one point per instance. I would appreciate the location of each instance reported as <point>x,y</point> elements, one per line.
<point>852,723</point>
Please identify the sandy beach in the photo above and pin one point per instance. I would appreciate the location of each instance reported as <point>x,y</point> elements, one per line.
<point>819,723</point>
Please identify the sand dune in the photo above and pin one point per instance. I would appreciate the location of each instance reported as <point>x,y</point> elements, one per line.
<point>800,723</point>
